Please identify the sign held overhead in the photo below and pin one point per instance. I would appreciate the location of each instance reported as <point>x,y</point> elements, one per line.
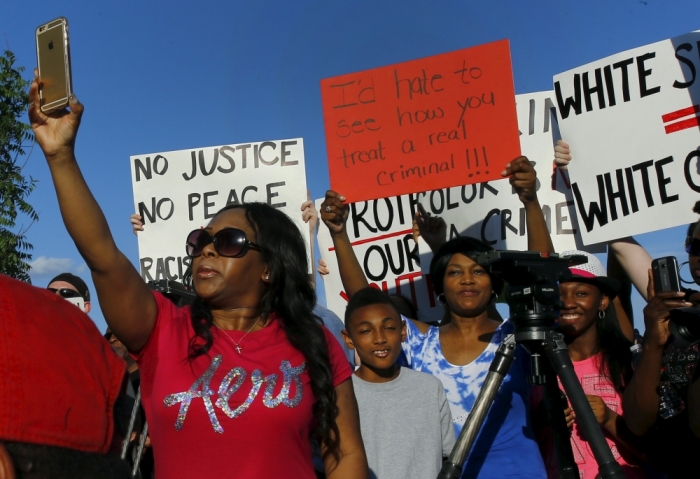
<point>441,121</point>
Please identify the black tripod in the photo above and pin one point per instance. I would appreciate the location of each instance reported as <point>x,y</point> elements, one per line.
<point>533,299</point>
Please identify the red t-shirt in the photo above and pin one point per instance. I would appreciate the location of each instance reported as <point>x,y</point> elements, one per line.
<point>226,414</point>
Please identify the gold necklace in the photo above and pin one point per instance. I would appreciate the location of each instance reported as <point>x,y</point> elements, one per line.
<point>238,347</point>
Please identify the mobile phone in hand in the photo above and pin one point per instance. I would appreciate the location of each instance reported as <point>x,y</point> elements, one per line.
<point>665,272</point>
<point>78,301</point>
<point>53,63</point>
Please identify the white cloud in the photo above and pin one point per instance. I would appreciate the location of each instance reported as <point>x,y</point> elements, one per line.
<point>44,265</point>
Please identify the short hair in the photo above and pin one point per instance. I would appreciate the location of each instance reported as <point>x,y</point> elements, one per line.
<point>404,306</point>
<point>466,245</point>
<point>367,297</point>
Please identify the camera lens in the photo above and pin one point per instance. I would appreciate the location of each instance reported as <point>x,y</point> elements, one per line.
<point>684,324</point>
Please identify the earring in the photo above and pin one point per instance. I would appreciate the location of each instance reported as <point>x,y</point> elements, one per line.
<point>494,297</point>
<point>441,299</point>
<point>267,277</point>
<point>601,314</point>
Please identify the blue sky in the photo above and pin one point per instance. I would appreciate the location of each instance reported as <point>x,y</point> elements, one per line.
<point>160,76</point>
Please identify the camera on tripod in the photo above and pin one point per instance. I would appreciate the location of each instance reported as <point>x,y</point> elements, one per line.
<point>533,297</point>
<point>533,283</point>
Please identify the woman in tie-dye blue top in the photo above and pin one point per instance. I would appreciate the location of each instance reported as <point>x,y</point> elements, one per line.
<point>459,354</point>
<point>460,351</point>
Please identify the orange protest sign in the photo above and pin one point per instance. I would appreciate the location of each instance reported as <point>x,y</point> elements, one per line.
<point>426,124</point>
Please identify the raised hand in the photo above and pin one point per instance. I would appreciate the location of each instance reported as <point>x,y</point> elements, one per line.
<point>334,212</point>
<point>322,268</point>
<point>309,214</point>
<point>136,223</point>
<point>523,178</point>
<point>562,154</point>
<point>433,229</point>
<point>56,131</point>
<point>657,313</point>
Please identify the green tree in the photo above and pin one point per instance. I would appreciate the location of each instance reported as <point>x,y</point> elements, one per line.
<point>14,187</point>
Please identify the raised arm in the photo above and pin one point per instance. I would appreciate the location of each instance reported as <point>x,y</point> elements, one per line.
<point>126,301</point>
<point>623,301</point>
<point>641,398</point>
<point>635,261</point>
<point>310,217</point>
<point>523,178</point>
<point>334,214</point>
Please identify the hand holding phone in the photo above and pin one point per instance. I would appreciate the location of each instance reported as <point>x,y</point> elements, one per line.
<point>665,272</point>
<point>53,63</point>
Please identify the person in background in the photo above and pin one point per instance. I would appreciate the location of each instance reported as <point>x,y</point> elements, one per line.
<point>460,351</point>
<point>203,367</point>
<point>662,401</point>
<point>73,289</point>
<point>404,415</point>
<point>125,408</point>
<point>132,367</point>
<point>58,387</point>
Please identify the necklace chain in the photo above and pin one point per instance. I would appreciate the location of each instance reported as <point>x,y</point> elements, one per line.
<point>238,347</point>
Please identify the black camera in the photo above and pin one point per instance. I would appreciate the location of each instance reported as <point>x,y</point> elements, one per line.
<point>176,292</point>
<point>684,324</point>
<point>533,282</point>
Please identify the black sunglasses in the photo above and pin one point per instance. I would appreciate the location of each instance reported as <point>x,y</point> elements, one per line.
<point>229,242</point>
<point>692,246</point>
<point>65,292</point>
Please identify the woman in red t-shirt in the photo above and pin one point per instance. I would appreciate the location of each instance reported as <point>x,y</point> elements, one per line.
<point>239,384</point>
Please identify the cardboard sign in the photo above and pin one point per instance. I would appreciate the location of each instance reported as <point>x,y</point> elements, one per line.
<point>632,122</point>
<point>176,192</point>
<point>492,212</point>
<point>381,234</point>
<point>425,124</point>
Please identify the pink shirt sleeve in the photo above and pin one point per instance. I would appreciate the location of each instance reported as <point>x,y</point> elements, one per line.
<point>340,368</point>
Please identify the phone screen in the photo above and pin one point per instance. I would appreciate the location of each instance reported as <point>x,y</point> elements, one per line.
<point>52,56</point>
<point>79,302</point>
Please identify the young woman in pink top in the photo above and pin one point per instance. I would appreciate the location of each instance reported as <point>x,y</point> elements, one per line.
<point>602,360</point>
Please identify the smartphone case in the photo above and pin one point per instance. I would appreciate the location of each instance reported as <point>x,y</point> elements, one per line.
<point>665,272</point>
<point>53,63</point>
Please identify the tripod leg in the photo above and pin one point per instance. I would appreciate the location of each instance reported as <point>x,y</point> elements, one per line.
<point>452,468</point>
<point>132,420</point>
<point>554,404</point>
<point>556,351</point>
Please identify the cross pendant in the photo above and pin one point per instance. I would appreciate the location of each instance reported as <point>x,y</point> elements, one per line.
<point>238,348</point>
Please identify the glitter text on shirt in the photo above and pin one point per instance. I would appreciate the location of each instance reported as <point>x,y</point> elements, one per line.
<point>231,383</point>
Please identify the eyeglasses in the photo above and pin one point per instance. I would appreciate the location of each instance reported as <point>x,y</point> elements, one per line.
<point>228,242</point>
<point>66,292</point>
<point>692,246</point>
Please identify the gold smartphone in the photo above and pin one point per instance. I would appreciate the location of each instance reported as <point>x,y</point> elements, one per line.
<point>53,62</point>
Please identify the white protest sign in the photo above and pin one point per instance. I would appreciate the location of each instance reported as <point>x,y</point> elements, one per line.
<point>179,191</point>
<point>492,212</point>
<point>632,122</point>
<point>381,234</point>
